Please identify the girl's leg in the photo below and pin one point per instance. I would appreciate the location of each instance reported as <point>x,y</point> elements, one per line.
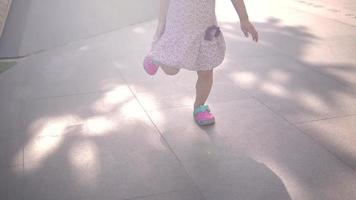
<point>203,87</point>
<point>169,70</point>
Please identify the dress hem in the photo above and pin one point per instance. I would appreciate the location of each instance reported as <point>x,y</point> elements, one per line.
<point>186,68</point>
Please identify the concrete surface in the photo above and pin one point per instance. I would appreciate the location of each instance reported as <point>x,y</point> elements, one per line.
<point>83,121</point>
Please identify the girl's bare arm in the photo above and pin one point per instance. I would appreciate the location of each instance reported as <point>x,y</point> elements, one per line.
<point>164,4</point>
<point>240,9</point>
<point>246,26</point>
<point>161,19</point>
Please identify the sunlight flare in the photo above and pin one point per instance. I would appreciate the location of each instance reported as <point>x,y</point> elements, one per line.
<point>38,149</point>
<point>98,126</point>
<point>132,110</point>
<point>55,126</point>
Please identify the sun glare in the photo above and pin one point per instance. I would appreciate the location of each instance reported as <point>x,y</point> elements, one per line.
<point>38,149</point>
<point>98,126</point>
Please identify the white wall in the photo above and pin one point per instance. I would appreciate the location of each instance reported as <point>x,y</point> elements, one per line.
<point>35,25</point>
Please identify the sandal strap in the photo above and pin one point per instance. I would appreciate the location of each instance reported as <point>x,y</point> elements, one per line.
<point>201,108</point>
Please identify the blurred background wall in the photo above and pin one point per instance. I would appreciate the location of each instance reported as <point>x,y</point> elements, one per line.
<point>4,10</point>
<point>35,25</point>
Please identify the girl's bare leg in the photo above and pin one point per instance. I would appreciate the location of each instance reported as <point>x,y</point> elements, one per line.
<point>203,87</point>
<point>169,70</point>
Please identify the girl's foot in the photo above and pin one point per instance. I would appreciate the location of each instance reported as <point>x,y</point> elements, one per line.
<point>203,116</point>
<point>149,66</point>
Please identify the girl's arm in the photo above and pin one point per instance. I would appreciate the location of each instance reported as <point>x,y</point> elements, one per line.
<point>161,19</point>
<point>164,4</point>
<point>246,25</point>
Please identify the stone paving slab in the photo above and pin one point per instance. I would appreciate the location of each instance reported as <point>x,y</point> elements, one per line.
<point>84,121</point>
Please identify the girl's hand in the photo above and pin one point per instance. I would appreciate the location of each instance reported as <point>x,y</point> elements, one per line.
<point>248,28</point>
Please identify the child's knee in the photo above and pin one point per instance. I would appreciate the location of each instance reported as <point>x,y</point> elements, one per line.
<point>169,70</point>
<point>205,74</point>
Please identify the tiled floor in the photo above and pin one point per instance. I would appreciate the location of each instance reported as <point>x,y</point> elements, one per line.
<point>84,121</point>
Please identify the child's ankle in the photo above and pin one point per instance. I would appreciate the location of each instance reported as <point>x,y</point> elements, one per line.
<point>196,105</point>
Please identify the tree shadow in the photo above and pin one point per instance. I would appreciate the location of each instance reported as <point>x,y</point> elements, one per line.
<point>103,166</point>
<point>297,90</point>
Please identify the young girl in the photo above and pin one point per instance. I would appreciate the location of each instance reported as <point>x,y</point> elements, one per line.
<point>188,37</point>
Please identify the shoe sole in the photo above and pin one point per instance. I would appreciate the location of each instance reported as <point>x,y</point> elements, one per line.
<point>205,123</point>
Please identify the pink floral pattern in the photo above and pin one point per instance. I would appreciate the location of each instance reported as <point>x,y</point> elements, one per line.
<point>183,43</point>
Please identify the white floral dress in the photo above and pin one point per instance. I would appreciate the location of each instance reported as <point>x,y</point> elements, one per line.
<point>191,38</point>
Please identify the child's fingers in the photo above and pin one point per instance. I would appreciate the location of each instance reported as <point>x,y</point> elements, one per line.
<point>254,33</point>
<point>245,32</point>
<point>255,36</point>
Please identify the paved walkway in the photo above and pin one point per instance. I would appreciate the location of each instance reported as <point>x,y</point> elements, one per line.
<point>84,121</point>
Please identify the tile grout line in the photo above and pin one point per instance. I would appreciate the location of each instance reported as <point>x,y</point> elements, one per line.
<point>67,95</point>
<point>162,136</point>
<point>21,116</point>
<point>154,194</point>
<point>149,195</point>
<point>326,118</point>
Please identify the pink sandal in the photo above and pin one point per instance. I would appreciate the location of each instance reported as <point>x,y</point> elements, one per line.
<point>203,116</point>
<point>149,66</point>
